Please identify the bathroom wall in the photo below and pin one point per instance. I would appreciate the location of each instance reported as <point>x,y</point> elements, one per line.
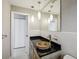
<point>69,15</point>
<point>6,29</point>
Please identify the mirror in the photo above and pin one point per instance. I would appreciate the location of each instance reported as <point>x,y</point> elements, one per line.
<point>50,17</point>
<point>44,15</point>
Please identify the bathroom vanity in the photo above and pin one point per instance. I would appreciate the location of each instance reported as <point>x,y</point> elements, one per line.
<point>53,52</point>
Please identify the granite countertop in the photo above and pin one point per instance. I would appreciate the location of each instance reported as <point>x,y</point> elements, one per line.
<point>54,46</point>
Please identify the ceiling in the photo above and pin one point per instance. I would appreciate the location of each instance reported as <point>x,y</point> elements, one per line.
<point>49,6</point>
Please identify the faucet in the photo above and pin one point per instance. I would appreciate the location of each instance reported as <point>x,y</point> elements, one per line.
<point>50,40</point>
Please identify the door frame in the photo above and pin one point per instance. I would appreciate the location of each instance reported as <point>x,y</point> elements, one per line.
<point>12,18</point>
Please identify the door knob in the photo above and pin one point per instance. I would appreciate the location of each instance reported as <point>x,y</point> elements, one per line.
<point>4,36</point>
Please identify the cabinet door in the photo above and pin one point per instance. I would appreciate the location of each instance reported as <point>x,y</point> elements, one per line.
<point>33,53</point>
<point>53,55</point>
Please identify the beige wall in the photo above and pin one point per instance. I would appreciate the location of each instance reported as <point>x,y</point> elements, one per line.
<point>6,29</point>
<point>69,16</point>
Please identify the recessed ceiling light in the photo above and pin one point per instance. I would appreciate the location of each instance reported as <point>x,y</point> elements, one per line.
<point>53,1</point>
<point>49,10</point>
<point>32,6</point>
<point>39,2</point>
<point>51,6</point>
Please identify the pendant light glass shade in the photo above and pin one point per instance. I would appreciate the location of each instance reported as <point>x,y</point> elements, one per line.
<point>32,18</point>
<point>51,17</point>
<point>39,15</point>
<point>48,20</point>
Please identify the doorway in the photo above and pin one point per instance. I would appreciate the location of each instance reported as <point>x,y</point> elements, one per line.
<point>19,34</point>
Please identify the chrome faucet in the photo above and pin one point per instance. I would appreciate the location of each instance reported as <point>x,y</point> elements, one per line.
<point>50,38</point>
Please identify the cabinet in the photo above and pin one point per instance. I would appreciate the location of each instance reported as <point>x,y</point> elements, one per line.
<point>54,55</point>
<point>33,53</point>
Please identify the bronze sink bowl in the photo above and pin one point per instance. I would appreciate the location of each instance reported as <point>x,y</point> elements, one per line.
<point>43,44</point>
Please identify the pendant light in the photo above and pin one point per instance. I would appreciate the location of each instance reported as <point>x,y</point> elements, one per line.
<point>39,13</point>
<point>51,17</point>
<point>32,18</point>
<point>48,20</point>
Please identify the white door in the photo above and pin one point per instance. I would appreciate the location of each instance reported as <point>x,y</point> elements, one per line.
<point>19,34</point>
